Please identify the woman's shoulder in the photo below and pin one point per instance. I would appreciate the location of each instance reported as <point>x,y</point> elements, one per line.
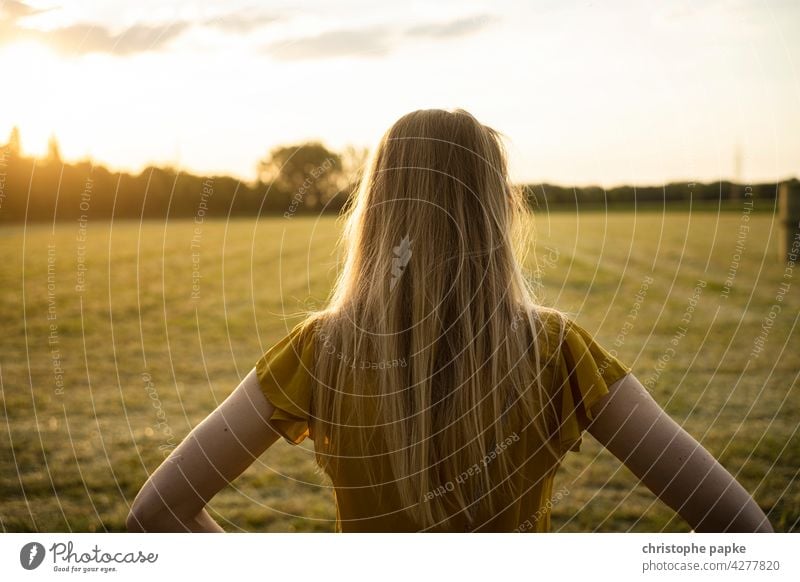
<point>285,373</point>
<point>551,326</point>
<point>572,341</point>
<point>299,335</point>
<point>293,353</point>
<point>584,370</point>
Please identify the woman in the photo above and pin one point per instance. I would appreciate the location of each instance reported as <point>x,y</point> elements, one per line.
<point>439,395</point>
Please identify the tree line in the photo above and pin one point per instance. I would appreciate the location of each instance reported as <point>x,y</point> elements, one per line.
<point>291,181</point>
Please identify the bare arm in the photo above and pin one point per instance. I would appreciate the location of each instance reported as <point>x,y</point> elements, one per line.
<point>674,466</point>
<point>217,451</point>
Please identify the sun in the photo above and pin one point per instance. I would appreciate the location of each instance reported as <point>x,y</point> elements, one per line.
<point>33,92</point>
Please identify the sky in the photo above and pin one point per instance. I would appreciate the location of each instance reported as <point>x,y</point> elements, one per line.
<point>604,93</point>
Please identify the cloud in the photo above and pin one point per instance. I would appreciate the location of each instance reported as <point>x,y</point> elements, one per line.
<point>336,43</point>
<point>454,28</point>
<point>241,22</point>
<point>13,10</point>
<point>87,38</point>
<point>370,42</point>
<point>84,38</point>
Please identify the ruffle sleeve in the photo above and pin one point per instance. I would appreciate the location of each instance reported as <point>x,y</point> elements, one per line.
<point>586,370</point>
<point>285,374</point>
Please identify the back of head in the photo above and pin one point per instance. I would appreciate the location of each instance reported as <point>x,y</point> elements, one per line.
<point>433,295</point>
<point>438,181</point>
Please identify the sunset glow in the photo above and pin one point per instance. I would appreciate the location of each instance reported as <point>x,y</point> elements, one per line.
<point>586,94</point>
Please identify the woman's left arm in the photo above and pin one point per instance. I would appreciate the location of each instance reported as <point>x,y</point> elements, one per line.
<point>217,451</point>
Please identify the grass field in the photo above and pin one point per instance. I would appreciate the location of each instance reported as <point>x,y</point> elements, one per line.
<point>107,359</point>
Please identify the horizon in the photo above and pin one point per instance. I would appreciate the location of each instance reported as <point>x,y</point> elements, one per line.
<point>254,181</point>
<point>624,101</point>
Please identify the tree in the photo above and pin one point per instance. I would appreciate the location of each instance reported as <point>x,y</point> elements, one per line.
<point>53,150</point>
<point>14,147</point>
<point>308,173</point>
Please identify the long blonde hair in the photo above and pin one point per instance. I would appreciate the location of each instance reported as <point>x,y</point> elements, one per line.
<point>432,297</point>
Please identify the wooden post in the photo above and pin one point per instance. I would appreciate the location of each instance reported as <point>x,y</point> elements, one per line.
<point>789,217</point>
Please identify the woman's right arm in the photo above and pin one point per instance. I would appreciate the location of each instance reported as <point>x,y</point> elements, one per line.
<point>674,466</point>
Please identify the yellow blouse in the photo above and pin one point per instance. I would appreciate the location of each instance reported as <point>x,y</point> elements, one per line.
<point>582,368</point>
